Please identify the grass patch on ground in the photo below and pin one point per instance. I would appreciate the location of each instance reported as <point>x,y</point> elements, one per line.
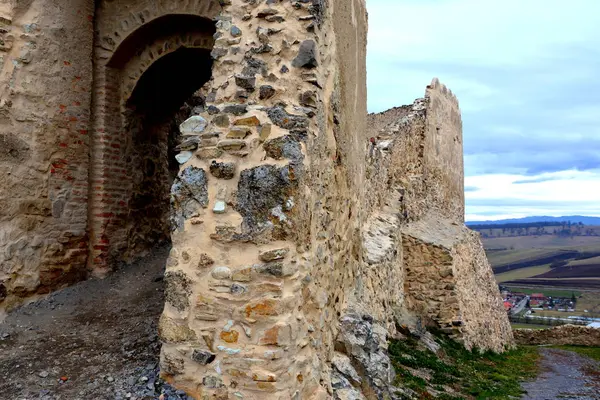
<point>546,291</point>
<point>522,273</point>
<point>591,352</point>
<point>461,374</point>
<point>529,326</point>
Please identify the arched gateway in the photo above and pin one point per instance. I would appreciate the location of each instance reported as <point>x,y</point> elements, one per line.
<point>150,58</point>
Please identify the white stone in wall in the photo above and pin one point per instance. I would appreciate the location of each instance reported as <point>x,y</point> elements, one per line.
<point>184,157</point>
<point>193,125</point>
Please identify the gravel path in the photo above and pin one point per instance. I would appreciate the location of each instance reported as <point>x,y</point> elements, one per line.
<point>96,340</point>
<point>564,375</point>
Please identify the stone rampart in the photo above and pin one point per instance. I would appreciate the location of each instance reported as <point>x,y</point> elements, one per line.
<point>45,97</point>
<point>236,129</point>
<point>573,335</point>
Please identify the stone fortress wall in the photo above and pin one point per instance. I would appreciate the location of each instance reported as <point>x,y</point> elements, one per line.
<point>298,245</point>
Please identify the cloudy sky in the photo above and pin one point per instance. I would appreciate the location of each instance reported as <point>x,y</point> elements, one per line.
<point>527,75</point>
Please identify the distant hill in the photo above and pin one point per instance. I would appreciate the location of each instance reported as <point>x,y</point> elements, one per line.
<point>573,218</point>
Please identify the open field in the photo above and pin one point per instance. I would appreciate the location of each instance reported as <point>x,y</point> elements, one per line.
<point>504,257</point>
<point>551,230</point>
<point>586,261</point>
<point>580,271</point>
<point>567,284</point>
<point>547,291</point>
<point>528,326</point>
<point>523,264</point>
<point>581,243</point>
<point>522,273</point>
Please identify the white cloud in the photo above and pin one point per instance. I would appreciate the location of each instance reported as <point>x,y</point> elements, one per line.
<point>513,196</point>
<point>525,76</point>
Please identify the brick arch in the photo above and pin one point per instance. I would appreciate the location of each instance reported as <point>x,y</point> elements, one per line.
<point>131,36</point>
<point>116,20</point>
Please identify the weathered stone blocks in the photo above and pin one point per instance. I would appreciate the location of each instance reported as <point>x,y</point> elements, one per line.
<point>188,194</point>
<point>262,197</point>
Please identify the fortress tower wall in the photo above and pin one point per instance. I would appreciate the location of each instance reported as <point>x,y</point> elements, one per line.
<point>45,97</point>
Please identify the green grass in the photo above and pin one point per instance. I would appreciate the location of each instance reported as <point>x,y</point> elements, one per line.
<point>546,291</point>
<point>591,352</point>
<point>529,326</point>
<point>473,374</point>
<point>522,273</point>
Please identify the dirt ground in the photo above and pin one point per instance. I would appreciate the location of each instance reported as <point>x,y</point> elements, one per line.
<point>564,375</point>
<point>95,340</point>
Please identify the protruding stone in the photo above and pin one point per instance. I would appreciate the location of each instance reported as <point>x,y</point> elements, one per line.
<point>212,382</point>
<point>184,157</point>
<point>311,78</point>
<point>266,12</point>
<point>284,147</point>
<point>235,31</point>
<point>177,289</point>
<point>194,125</point>
<point>209,142</point>
<point>284,69</point>
<point>278,335</point>
<point>232,144</point>
<point>208,153</point>
<point>266,92</point>
<point>250,121</point>
<point>230,336</point>
<point>262,308</point>
<point>236,109</point>
<point>188,193</point>
<point>222,170</point>
<point>283,119</point>
<point>218,52</point>
<point>237,289</point>
<point>174,331</point>
<point>262,191</point>
<point>254,66</point>
<point>263,34</point>
<point>221,121</point>
<point>171,364</point>
<point>242,275</point>
<point>219,207</point>
<point>221,273</point>
<point>308,99</point>
<point>307,55</point>
<point>189,143</point>
<point>238,132</point>
<point>265,132</point>
<point>261,376</point>
<point>205,260</point>
<point>203,357</point>
<point>276,268</point>
<point>275,18</point>
<point>273,255</point>
<point>343,364</point>
<point>246,82</point>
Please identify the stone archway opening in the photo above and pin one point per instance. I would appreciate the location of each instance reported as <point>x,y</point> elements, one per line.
<point>164,97</point>
<point>147,87</point>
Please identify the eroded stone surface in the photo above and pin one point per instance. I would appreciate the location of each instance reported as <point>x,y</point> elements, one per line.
<point>188,194</point>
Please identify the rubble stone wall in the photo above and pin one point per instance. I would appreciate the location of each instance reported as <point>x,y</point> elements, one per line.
<point>45,81</point>
<point>266,219</point>
<point>573,335</point>
<point>439,263</point>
